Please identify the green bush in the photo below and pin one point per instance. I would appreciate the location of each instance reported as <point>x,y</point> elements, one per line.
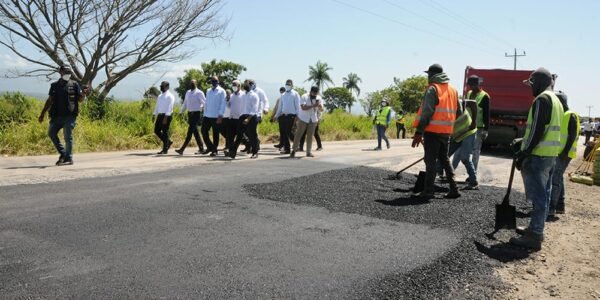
<point>126,126</point>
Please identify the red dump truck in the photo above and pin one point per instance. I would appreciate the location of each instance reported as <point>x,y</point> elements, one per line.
<point>510,102</point>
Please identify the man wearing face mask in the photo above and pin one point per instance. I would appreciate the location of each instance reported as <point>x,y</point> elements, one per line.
<point>248,122</point>
<point>308,117</point>
<point>264,101</point>
<point>536,159</point>
<point>434,125</point>
<point>273,119</point>
<point>236,109</point>
<point>213,116</point>
<point>193,102</point>
<point>163,113</point>
<point>483,115</point>
<point>286,114</point>
<point>63,102</point>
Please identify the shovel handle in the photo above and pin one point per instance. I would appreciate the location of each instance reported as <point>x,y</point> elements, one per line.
<point>506,200</point>
<point>416,162</point>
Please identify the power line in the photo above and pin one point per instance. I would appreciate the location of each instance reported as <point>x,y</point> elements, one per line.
<point>410,26</point>
<point>589,107</point>
<point>515,56</point>
<point>441,8</point>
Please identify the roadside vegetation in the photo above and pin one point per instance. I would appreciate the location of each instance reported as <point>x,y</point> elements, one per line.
<point>128,125</point>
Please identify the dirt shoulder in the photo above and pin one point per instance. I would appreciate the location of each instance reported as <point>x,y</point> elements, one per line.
<point>568,267</point>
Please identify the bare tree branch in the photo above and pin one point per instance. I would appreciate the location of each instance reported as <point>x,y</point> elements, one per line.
<point>115,37</point>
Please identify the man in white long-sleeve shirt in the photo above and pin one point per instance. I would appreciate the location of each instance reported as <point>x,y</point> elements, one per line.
<point>286,113</point>
<point>248,121</point>
<point>213,116</point>
<point>162,113</point>
<point>308,118</point>
<point>193,102</point>
<point>236,109</point>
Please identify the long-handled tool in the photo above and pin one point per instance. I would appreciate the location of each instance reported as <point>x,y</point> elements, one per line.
<point>398,174</point>
<point>506,214</point>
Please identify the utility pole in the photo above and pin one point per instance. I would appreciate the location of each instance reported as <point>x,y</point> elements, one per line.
<point>589,107</point>
<point>515,56</point>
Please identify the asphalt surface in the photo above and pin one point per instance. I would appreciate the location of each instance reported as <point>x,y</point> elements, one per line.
<point>196,232</point>
<point>465,271</point>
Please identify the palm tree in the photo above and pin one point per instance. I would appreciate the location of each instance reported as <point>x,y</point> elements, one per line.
<point>319,75</point>
<point>351,83</point>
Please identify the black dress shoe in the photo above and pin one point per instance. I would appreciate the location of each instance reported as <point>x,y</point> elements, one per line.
<point>179,151</point>
<point>169,145</point>
<point>254,156</point>
<point>205,152</point>
<point>60,160</point>
<point>162,152</point>
<point>277,146</point>
<point>213,154</point>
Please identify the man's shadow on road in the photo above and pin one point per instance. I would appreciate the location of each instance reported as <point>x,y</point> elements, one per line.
<point>28,167</point>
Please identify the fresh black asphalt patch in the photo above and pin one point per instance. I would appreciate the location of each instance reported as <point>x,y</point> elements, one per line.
<point>463,272</point>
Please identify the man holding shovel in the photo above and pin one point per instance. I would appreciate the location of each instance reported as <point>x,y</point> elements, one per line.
<point>541,145</point>
<point>434,125</point>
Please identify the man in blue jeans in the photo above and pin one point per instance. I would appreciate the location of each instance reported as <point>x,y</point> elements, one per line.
<point>382,121</point>
<point>536,159</point>
<point>569,134</point>
<point>63,102</point>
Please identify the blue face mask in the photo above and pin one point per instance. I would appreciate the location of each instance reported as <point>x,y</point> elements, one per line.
<point>253,87</point>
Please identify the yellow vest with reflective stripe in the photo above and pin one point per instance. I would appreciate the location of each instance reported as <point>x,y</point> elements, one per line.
<point>461,126</point>
<point>564,132</point>
<point>382,116</point>
<point>550,145</point>
<point>478,99</point>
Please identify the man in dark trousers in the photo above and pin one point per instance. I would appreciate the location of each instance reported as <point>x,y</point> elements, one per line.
<point>194,103</point>
<point>569,128</point>
<point>273,119</point>
<point>400,125</point>
<point>164,114</point>
<point>537,157</point>
<point>63,102</point>
<point>434,125</point>
<point>483,114</point>
<point>287,111</point>
<point>213,116</point>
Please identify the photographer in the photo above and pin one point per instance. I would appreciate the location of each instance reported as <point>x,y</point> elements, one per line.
<point>308,118</point>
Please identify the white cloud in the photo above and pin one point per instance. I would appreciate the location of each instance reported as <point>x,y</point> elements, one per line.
<point>12,61</point>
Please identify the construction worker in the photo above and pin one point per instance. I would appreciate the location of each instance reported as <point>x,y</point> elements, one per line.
<point>400,125</point>
<point>536,159</point>
<point>434,125</point>
<point>463,140</point>
<point>569,133</point>
<point>483,114</point>
<point>382,121</point>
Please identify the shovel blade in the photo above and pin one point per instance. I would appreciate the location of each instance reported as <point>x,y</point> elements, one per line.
<point>506,216</point>
<point>420,184</point>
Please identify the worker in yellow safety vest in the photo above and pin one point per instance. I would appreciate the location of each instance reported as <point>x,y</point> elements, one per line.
<point>569,134</point>
<point>539,150</point>
<point>381,121</point>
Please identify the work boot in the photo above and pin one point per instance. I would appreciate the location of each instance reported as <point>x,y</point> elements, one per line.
<point>453,194</point>
<point>60,160</point>
<point>425,196</point>
<point>471,186</point>
<point>528,240</point>
<point>524,230</point>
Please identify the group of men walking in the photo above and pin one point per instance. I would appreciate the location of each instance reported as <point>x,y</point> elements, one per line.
<point>444,126</point>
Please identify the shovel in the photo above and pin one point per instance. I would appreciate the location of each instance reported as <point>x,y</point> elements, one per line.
<point>398,174</point>
<point>506,214</point>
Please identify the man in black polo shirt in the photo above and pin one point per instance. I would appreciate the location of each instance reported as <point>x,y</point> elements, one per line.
<point>63,102</point>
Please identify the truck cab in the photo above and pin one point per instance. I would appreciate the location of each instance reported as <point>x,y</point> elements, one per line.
<point>510,101</point>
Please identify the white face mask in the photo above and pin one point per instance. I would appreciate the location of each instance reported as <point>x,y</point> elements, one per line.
<point>235,88</point>
<point>66,76</point>
<point>288,88</point>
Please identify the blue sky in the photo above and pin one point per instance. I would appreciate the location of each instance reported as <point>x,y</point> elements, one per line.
<point>382,39</point>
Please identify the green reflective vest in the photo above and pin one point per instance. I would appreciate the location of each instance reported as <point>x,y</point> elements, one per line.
<point>550,145</point>
<point>382,116</point>
<point>478,98</point>
<point>461,126</point>
<point>564,133</point>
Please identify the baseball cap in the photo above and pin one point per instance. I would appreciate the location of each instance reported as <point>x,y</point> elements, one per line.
<point>434,69</point>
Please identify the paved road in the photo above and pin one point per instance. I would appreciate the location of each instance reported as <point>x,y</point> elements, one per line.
<point>184,227</point>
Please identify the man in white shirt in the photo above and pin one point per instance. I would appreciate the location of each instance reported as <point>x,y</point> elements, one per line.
<point>236,109</point>
<point>273,119</point>
<point>162,113</point>
<point>262,96</point>
<point>308,118</point>
<point>286,113</point>
<point>248,122</point>
<point>193,102</point>
<point>213,116</point>
<point>588,129</point>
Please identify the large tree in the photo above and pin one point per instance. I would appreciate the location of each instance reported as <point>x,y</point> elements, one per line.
<point>351,83</point>
<point>337,97</point>
<point>105,40</point>
<point>227,72</point>
<point>319,75</point>
<point>411,91</point>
